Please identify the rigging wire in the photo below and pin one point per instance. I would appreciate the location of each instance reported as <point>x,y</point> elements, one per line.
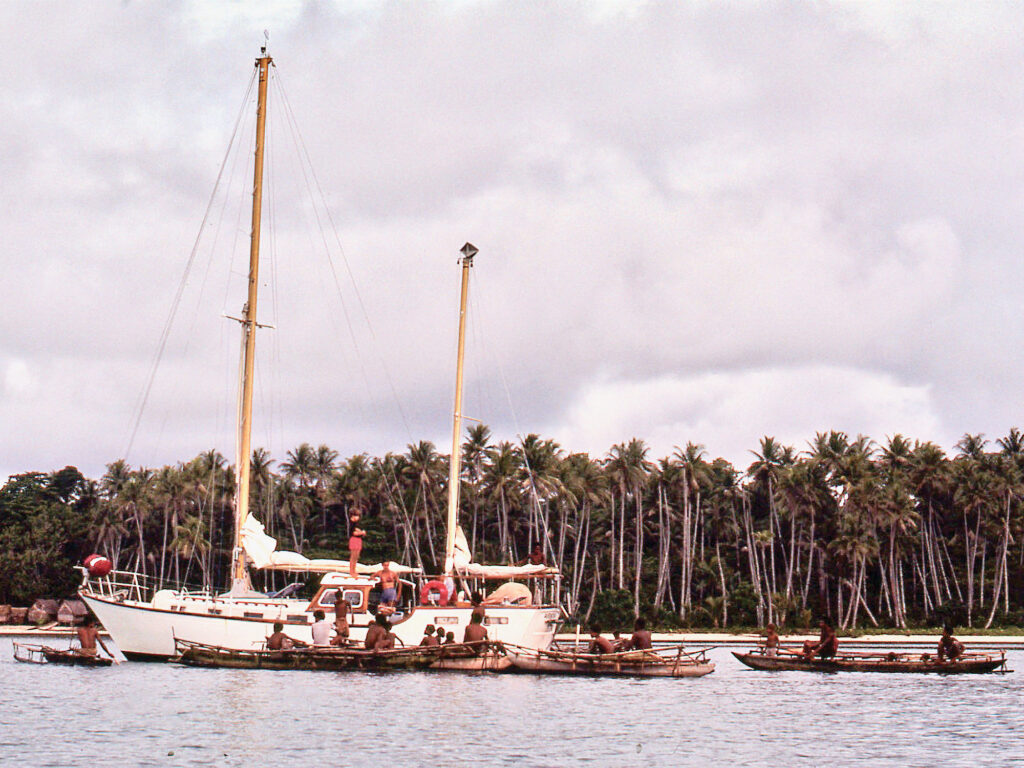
<point>140,405</point>
<point>348,268</point>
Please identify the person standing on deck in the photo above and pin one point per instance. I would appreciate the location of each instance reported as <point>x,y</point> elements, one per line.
<point>342,608</point>
<point>355,541</point>
<point>388,580</point>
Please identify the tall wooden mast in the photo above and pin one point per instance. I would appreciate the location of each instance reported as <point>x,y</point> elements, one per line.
<point>238,568</point>
<point>468,252</point>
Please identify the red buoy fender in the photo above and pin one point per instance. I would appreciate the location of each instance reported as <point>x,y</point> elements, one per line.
<point>434,586</point>
<point>98,565</point>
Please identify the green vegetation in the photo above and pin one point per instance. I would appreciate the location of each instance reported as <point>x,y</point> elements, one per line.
<point>899,535</point>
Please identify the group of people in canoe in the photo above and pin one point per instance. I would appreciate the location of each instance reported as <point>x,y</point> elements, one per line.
<point>379,636</point>
<point>640,640</point>
<point>827,645</point>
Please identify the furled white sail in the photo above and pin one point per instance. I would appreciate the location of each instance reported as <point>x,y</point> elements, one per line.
<point>462,559</point>
<point>261,549</point>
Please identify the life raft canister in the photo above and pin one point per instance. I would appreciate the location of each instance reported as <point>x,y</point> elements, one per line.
<point>98,565</point>
<point>434,586</point>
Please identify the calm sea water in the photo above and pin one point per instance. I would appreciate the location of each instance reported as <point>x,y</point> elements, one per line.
<point>137,714</point>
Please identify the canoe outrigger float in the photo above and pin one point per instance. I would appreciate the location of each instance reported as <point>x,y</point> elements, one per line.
<point>968,663</point>
<point>44,654</point>
<point>456,656</point>
<point>571,659</point>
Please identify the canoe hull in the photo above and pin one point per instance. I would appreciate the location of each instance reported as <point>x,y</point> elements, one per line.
<point>983,664</point>
<point>665,662</point>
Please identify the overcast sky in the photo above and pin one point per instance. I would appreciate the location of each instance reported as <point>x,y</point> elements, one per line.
<point>701,221</point>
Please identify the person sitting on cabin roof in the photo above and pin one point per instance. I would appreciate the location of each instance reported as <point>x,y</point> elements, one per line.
<point>88,636</point>
<point>826,646</point>
<point>949,648</point>
<point>771,641</point>
<point>321,628</point>
<point>536,557</point>
<point>641,639</point>
<point>388,580</point>
<point>429,638</point>
<point>279,641</point>
<point>599,644</point>
<point>342,608</point>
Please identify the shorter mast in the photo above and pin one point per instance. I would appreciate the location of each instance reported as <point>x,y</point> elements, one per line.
<point>468,252</point>
<point>239,570</point>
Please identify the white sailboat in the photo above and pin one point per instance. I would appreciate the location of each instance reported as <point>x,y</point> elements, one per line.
<point>145,622</point>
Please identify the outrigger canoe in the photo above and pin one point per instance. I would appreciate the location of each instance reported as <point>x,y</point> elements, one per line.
<point>456,656</point>
<point>44,654</point>
<point>968,663</point>
<point>663,661</point>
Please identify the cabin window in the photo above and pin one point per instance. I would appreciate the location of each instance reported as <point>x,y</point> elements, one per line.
<point>215,611</point>
<point>354,597</point>
<point>295,617</point>
<point>253,615</point>
<point>495,619</point>
<point>446,619</point>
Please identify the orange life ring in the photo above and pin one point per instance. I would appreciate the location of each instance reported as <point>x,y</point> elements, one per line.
<point>431,586</point>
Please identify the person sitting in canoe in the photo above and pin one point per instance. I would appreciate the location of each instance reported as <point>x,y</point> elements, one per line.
<point>279,641</point>
<point>771,641</point>
<point>89,636</point>
<point>321,629</point>
<point>599,644</point>
<point>826,646</point>
<point>429,638</point>
<point>950,649</point>
<point>641,639</point>
<point>476,633</point>
<point>379,636</point>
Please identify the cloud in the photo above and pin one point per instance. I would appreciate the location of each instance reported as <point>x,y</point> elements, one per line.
<point>738,408</point>
<point>666,196</point>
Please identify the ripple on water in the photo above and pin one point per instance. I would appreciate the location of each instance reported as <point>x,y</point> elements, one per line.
<point>164,715</point>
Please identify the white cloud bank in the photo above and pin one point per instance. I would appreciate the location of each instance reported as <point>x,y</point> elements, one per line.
<point>697,221</point>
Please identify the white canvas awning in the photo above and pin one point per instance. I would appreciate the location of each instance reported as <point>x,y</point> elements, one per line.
<point>464,567</point>
<point>262,550</point>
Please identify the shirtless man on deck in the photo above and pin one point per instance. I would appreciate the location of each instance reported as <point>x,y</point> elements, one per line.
<point>388,581</point>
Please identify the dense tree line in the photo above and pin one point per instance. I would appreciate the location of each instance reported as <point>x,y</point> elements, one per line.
<point>898,534</point>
